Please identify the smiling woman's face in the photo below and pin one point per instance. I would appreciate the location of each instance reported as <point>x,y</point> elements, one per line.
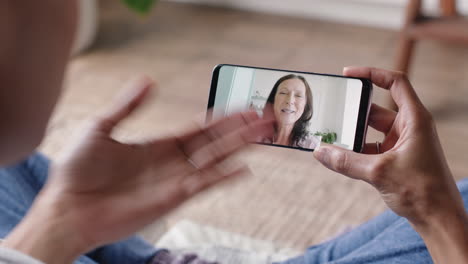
<point>290,100</point>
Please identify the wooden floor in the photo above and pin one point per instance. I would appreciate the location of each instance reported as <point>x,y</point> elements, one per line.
<point>290,198</point>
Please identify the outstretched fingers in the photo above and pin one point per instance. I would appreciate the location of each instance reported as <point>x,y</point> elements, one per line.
<point>198,138</point>
<point>218,149</point>
<point>125,103</point>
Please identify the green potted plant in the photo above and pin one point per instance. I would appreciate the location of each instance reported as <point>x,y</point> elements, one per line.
<point>327,137</point>
<point>140,6</point>
<point>88,20</point>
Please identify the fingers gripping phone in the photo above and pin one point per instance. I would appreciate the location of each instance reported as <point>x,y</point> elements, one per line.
<point>309,108</point>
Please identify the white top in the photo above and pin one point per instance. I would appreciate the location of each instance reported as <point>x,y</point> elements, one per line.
<point>309,142</point>
<point>10,256</point>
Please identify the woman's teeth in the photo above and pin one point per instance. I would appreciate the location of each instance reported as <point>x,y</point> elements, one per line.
<point>288,111</point>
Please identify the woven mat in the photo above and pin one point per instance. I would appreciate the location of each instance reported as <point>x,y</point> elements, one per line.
<point>219,245</point>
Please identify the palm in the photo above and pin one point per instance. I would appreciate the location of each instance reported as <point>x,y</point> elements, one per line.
<point>101,163</point>
<point>113,188</point>
<point>110,181</point>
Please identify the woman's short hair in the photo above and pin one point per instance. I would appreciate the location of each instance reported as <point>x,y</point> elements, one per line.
<point>300,129</point>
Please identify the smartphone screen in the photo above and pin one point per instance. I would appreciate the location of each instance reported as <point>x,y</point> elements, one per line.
<point>309,108</point>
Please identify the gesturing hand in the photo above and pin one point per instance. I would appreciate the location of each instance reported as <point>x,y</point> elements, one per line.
<point>411,173</point>
<point>104,190</point>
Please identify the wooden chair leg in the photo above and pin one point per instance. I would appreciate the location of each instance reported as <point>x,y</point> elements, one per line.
<point>406,43</point>
<point>403,60</point>
<point>448,7</point>
<point>404,53</point>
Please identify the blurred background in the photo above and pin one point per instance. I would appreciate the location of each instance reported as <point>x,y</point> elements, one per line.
<point>289,201</point>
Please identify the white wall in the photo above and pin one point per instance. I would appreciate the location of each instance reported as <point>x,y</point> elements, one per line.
<point>375,13</point>
<point>351,111</point>
<point>239,96</point>
<point>226,75</point>
<point>233,91</point>
<point>329,96</point>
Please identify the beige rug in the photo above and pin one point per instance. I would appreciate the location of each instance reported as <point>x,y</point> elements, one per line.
<point>215,244</point>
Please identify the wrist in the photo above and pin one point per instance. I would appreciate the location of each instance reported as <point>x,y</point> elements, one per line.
<point>46,234</point>
<point>446,236</point>
<point>442,223</point>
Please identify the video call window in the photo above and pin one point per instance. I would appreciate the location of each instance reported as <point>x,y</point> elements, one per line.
<point>308,108</point>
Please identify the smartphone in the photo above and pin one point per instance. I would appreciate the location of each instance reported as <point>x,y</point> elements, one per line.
<point>309,108</point>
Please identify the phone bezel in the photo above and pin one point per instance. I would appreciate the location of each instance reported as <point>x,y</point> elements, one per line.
<point>364,105</point>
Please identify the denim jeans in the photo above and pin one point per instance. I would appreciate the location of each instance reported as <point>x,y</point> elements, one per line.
<point>19,185</point>
<point>388,238</point>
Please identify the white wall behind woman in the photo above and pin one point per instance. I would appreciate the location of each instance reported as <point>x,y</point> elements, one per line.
<point>375,13</point>
<point>233,90</point>
<point>329,99</point>
<point>239,96</point>
<point>351,111</point>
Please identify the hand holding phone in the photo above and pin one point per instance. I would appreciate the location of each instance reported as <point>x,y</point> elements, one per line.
<point>409,170</point>
<point>309,108</point>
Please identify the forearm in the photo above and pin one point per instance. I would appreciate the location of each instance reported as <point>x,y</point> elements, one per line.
<point>446,237</point>
<point>46,234</point>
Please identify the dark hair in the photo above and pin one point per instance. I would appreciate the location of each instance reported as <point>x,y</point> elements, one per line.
<point>299,131</point>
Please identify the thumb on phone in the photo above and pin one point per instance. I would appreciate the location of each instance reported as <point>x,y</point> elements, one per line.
<point>354,165</point>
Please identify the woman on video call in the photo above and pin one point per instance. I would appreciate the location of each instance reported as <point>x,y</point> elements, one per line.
<point>292,105</point>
